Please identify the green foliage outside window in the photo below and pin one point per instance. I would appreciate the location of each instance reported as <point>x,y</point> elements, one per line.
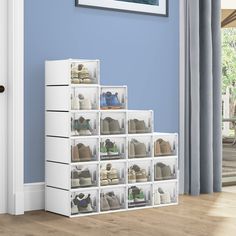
<point>229,61</point>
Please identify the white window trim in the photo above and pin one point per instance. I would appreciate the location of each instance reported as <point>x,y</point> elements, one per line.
<point>228,4</point>
<point>15,169</point>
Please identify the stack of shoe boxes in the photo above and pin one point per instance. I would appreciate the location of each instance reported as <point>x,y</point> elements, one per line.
<point>101,157</point>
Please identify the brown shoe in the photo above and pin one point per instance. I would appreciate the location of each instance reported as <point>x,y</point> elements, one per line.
<point>75,154</point>
<point>165,147</point>
<point>85,153</point>
<point>157,148</point>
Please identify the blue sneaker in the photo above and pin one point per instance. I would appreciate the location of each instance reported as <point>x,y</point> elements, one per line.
<point>112,101</point>
<point>103,102</point>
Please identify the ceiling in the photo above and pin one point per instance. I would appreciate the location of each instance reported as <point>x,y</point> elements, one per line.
<point>228,18</point>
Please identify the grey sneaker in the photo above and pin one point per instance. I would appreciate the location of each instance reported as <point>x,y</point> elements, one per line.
<point>84,203</point>
<point>131,150</point>
<point>113,201</point>
<point>104,203</point>
<point>131,196</point>
<point>74,131</point>
<point>111,148</point>
<point>103,150</point>
<point>85,178</point>
<point>75,181</point>
<point>110,126</point>
<point>166,172</point>
<point>139,198</point>
<point>140,149</point>
<point>105,127</point>
<point>140,126</point>
<point>132,127</point>
<point>114,127</point>
<point>82,126</point>
<point>136,197</point>
<point>137,126</point>
<point>163,171</point>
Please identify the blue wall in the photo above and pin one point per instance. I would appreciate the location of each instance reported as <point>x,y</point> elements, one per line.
<point>135,49</point>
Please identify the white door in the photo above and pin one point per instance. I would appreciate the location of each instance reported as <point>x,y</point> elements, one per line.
<point>3,106</point>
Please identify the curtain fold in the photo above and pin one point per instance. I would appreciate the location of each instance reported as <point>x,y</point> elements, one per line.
<point>203,154</point>
<point>217,69</point>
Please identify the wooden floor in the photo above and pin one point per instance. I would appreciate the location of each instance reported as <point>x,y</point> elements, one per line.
<point>208,215</point>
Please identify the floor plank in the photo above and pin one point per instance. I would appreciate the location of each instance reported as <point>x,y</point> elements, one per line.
<point>206,215</point>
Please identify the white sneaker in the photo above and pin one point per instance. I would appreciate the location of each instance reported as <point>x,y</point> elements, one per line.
<point>74,133</point>
<point>84,132</point>
<point>103,177</point>
<point>74,208</point>
<point>157,198</point>
<point>85,103</point>
<point>165,196</point>
<point>75,104</point>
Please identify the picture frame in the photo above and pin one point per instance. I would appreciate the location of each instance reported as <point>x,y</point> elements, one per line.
<point>157,7</point>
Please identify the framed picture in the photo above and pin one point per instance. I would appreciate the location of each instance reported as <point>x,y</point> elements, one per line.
<point>158,7</point>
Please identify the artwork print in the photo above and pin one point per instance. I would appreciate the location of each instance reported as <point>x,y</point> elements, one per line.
<point>158,7</point>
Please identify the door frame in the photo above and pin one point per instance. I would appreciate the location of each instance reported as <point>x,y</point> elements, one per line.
<point>3,105</point>
<point>15,97</point>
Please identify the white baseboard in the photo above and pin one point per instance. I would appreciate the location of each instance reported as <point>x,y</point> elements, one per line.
<point>18,202</point>
<point>34,196</point>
